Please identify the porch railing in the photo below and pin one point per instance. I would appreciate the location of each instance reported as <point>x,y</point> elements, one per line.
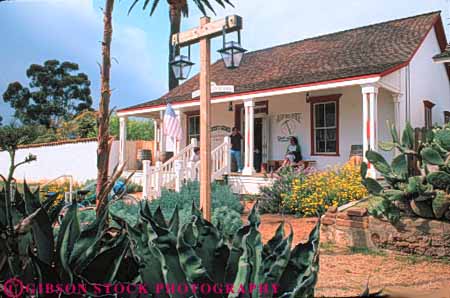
<point>220,163</point>
<point>174,172</point>
<point>164,175</point>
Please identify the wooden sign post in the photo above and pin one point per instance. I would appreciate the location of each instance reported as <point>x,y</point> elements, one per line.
<point>203,34</point>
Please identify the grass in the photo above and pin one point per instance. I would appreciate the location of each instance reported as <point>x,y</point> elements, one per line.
<point>367,251</point>
<point>414,259</point>
<point>327,247</point>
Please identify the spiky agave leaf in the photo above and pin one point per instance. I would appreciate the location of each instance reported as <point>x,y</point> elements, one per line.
<point>165,244</point>
<point>300,276</point>
<point>210,246</point>
<point>67,237</point>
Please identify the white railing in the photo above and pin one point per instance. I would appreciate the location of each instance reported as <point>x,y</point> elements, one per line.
<point>220,159</point>
<point>164,175</point>
<point>174,172</point>
<point>220,163</point>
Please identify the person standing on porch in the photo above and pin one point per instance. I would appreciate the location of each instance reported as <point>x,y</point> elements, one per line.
<point>235,139</point>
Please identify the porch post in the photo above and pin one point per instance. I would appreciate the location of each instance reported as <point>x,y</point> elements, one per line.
<point>396,99</point>
<point>162,136</point>
<point>249,106</point>
<point>370,117</point>
<point>177,143</point>
<point>122,139</point>
<point>155,139</point>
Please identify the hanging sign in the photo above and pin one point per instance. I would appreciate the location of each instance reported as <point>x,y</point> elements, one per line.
<point>288,125</point>
<point>216,89</point>
<point>218,133</point>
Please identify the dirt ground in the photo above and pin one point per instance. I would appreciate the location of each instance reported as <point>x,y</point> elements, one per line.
<point>344,272</point>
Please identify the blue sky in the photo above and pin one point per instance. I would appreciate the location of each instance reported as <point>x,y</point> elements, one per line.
<point>32,31</point>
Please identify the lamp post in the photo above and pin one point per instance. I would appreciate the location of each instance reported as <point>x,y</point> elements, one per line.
<point>232,53</point>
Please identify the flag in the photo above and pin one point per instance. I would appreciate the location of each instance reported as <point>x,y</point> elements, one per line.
<point>172,126</point>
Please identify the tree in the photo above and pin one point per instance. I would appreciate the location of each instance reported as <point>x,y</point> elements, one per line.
<point>137,129</point>
<point>84,125</point>
<point>103,138</point>
<point>177,9</point>
<point>56,92</point>
<point>12,137</point>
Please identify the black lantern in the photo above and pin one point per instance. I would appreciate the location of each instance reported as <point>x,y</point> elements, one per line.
<point>232,52</point>
<point>230,107</point>
<point>181,65</point>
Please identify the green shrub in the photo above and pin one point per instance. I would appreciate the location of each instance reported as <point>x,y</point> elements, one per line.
<point>190,192</point>
<point>272,196</point>
<point>227,220</point>
<point>134,187</point>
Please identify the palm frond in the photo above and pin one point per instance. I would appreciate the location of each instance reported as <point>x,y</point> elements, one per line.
<point>229,3</point>
<point>200,6</point>
<point>220,2</point>
<point>132,6</point>
<point>185,10</point>
<point>155,4</point>
<point>206,2</point>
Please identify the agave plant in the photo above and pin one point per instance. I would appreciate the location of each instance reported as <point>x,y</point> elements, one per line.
<point>30,252</point>
<point>197,253</point>
<point>426,194</point>
<point>152,251</point>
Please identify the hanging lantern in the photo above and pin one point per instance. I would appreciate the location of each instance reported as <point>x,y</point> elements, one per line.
<point>232,52</point>
<point>181,65</point>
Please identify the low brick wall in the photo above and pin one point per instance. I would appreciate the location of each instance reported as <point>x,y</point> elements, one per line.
<point>355,228</point>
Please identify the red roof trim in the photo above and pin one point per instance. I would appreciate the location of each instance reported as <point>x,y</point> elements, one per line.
<point>57,143</point>
<point>259,91</point>
<point>439,37</point>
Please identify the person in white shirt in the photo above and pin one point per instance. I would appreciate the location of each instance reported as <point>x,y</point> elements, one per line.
<point>196,156</point>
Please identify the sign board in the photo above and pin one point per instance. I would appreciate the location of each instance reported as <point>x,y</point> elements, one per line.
<point>288,125</point>
<point>216,89</point>
<point>218,133</point>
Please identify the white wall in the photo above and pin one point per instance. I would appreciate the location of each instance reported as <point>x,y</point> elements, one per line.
<point>350,122</point>
<point>76,159</point>
<point>429,81</point>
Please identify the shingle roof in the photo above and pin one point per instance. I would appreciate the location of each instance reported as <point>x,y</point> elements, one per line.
<point>373,49</point>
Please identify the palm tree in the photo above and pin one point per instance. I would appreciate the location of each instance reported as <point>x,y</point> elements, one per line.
<point>177,9</point>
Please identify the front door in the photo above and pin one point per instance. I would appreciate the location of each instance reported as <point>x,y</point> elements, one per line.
<point>261,138</point>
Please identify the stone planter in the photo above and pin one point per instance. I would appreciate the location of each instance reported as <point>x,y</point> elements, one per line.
<point>412,235</point>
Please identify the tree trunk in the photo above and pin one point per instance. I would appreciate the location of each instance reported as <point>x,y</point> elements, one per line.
<point>175,24</point>
<point>103,114</point>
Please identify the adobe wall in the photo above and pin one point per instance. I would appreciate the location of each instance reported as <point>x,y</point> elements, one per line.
<point>355,228</point>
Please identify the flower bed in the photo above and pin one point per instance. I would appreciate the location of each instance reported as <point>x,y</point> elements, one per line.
<point>318,191</point>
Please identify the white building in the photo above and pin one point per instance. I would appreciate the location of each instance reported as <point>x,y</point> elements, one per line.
<point>331,92</point>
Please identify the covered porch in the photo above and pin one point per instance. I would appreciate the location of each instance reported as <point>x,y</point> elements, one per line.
<point>328,119</point>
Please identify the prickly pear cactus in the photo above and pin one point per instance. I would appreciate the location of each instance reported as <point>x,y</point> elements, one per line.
<point>426,194</point>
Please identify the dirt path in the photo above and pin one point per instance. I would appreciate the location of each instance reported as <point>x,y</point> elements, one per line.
<point>345,272</point>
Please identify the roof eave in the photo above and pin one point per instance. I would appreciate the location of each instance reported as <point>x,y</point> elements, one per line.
<point>343,82</point>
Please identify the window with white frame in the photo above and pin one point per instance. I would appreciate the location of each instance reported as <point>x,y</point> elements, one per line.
<point>193,127</point>
<point>325,127</point>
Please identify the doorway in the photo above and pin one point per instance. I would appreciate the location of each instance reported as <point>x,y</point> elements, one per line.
<point>258,142</point>
<point>260,132</point>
